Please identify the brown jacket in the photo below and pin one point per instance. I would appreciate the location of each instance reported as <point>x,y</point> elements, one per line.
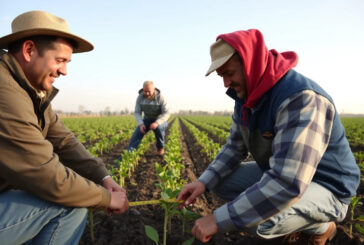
<point>37,153</point>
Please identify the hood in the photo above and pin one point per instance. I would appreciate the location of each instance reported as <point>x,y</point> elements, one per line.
<point>157,91</point>
<point>263,68</point>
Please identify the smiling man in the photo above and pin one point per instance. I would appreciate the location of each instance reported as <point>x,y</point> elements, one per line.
<point>47,177</point>
<point>42,67</point>
<point>303,174</point>
<point>153,105</point>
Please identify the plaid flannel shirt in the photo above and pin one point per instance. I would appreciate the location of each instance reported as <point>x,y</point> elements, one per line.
<point>303,125</point>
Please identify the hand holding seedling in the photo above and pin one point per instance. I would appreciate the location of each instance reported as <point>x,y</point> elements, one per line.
<point>119,203</point>
<point>191,191</point>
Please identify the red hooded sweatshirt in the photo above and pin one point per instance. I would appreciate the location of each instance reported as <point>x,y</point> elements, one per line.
<point>262,67</point>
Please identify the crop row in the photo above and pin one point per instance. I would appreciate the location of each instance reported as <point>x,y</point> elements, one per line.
<point>218,131</point>
<point>89,130</point>
<point>209,147</point>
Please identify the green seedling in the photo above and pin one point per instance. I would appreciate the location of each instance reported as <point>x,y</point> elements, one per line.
<point>355,201</point>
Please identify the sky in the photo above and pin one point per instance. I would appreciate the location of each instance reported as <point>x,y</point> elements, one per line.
<point>168,42</point>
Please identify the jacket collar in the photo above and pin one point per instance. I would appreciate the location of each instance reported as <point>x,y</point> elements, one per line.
<point>156,92</point>
<point>232,94</point>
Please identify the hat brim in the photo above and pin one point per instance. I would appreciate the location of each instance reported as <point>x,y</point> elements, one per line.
<point>82,44</point>
<point>217,64</point>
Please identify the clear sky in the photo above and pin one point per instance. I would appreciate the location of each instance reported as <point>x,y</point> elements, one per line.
<point>168,42</point>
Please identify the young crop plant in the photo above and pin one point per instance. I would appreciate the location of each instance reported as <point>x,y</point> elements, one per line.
<point>129,160</point>
<point>126,164</point>
<point>170,185</point>
<point>359,157</point>
<point>355,202</point>
<point>185,216</point>
<point>101,134</point>
<point>106,144</point>
<point>218,132</point>
<point>124,168</point>
<point>210,148</point>
<point>354,128</point>
<point>221,122</point>
<point>169,208</point>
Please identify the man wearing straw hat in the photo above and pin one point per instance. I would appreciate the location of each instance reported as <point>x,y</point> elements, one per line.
<point>47,177</point>
<point>303,174</point>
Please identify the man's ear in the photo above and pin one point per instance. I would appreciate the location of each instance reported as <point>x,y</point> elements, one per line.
<point>28,50</point>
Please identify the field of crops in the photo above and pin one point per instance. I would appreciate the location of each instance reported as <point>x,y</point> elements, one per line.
<point>191,143</point>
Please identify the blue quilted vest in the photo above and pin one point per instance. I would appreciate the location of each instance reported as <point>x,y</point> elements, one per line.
<point>337,170</point>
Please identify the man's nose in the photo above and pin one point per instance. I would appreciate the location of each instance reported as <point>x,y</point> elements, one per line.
<point>63,70</point>
<point>227,82</point>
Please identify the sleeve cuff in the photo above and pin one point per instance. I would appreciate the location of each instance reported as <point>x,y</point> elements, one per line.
<point>106,177</point>
<point>140,122</point>
<point>209,179</point>
<point>222,219</point>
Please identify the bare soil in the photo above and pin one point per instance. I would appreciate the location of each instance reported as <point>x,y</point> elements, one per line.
<point>128,228</point>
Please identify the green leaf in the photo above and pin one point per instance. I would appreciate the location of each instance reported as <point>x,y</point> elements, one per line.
<point>164,195</point>
<point>152,233</point>
<point>359,228</point>
<point>360,218</point>
<point>189,214</point>
<point>158,167</point>
<point>189,241</point>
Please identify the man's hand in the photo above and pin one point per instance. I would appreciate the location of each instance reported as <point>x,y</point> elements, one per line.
<point>142,128</point>
<point>204,228</point>
<point>153,126</point>
<point>119,203</point>
<point>112,186</point>
<point>191,191</point>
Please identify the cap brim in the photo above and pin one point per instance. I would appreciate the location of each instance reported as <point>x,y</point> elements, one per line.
<point>82,44</point>
<point>218,63</point>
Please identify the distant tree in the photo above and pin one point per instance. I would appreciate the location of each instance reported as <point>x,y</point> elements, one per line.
<point>81,109</point>
<point>107,111</point>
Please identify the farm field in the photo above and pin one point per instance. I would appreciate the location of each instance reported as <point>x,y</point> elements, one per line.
<point>191,144</point>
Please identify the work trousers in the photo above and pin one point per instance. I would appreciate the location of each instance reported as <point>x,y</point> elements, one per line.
<point>311,214</point>
<point>159,133</point>
<point>27,219</point>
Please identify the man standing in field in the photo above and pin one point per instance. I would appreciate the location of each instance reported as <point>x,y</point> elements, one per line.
<point>304,173</point>
<point>154,106</point>
<point>47,177</point>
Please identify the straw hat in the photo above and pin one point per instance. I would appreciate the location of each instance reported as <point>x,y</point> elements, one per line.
<point>35,23</point>
<point>220,53</point>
